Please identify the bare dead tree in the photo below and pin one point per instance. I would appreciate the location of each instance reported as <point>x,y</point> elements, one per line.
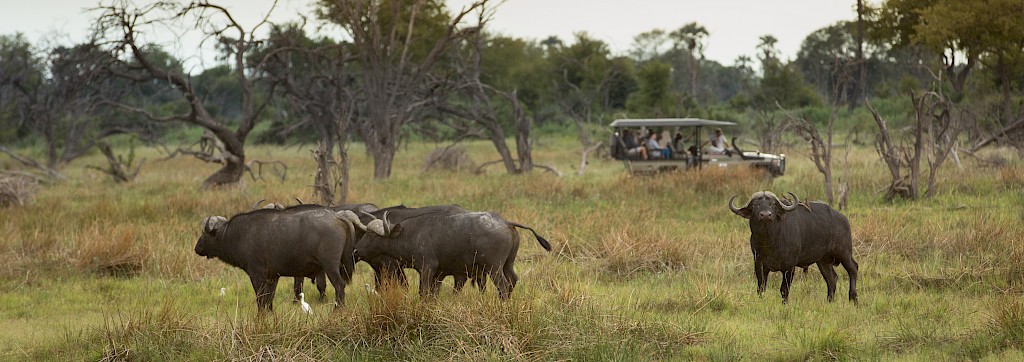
<point>896,157</point>
<point>119,167</point>
<point>821,140</point>
<point>524,124</point>
<point>396,61</point>
<point>579,105</point>
<point>475,99</point>
<point>123,22</point>
<point>317,85</point>
<point>1010,132</point>
<point>937,125</point>
<point>478,103</point>
<point>769,130</point>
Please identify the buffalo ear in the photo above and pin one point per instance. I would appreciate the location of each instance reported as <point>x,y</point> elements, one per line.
<point>744,212</point>
<point>396,230</point>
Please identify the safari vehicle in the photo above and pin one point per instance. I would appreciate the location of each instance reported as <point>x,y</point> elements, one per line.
<point>684,150</point>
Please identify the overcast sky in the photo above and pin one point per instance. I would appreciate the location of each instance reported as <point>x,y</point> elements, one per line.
<point>735,25</point>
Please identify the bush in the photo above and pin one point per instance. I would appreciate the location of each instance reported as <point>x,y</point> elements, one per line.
<point>16,190</point>
<point>449,159</point>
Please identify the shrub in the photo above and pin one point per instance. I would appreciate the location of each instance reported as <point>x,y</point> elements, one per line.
<point>449,159</point>
<point>16,190</point>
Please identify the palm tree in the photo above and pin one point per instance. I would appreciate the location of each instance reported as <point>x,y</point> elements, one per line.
<point>767,46</point>
<point>692,36</point>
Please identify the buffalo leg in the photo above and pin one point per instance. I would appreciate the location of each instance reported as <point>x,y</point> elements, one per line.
<point>480,279</point>
<point>321,285</point>
<point>334,275</point>
<point>298,288</point>
<point>851,270</point>
<point>389,273</point>
<point>460,281</point>
<point>511,277</point>
<point>501,283</point>
<point>428,279</point>
<point>787,281</point>
<point>762,277</point>
<point>264,288</point>
<point>829,273</point>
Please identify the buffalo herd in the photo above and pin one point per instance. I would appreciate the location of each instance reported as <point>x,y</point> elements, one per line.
<point>324,244</point>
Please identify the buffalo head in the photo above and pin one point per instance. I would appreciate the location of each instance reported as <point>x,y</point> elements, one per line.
<point>212,227</point>
<point>380,227</point>
<point>764,206</point>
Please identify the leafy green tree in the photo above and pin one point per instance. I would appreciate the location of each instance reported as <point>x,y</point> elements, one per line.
<point>782,84</point>
<point>655,97</point>
<point>20,69</point>
<point>518,72</point>
<point>219,87</point>
<point>648,45</point>
<point>63,103</point>
<point>581,76</point>
<point>962,34</point>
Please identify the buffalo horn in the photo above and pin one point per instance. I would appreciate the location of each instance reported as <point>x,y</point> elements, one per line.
<point>387,224</point>
<point>206,226</point>
<point>257,204</point>
<point>733,208</point>
<point>791,206</point>
<point>375,225</point>
<point>351,217</point>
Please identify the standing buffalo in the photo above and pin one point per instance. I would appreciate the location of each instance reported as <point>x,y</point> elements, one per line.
<point>319,278</point>
<point>786,235</point>
<point>297,242</point>
<point>389,270</point>
<point>463,245</point>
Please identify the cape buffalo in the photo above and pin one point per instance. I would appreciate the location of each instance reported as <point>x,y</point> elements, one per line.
<point>318,278</point>
<point>297,242</point>
<point>388,270</point>
<point>786,235</point>
<point>463,245</point>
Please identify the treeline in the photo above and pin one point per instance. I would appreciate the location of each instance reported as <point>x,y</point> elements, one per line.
<point>419,69</point>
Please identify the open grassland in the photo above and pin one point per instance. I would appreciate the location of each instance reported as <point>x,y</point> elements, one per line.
<point>643,269</point>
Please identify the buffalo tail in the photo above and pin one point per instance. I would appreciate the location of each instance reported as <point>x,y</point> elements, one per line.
<point>543,242</point>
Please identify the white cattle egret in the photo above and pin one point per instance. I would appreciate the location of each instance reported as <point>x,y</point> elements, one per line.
<point>223,291</point>
<point>305,306</point>
<point>369,290</point>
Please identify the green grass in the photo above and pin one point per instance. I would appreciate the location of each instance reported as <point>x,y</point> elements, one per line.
<point>643,269</point>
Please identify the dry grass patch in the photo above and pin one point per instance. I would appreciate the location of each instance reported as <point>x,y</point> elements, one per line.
<point>110,250</point>
<point>627,252</point>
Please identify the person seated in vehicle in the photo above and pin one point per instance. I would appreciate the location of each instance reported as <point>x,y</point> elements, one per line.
<point>633,148</point>
<point>677,141</point>
<point>654,148</point>
<point>717,145</point>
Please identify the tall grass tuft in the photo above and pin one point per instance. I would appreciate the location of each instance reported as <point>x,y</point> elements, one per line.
<point>110,249</point>
<point>822,344</point>
<point>1006,323</point>
<point>647,249</point>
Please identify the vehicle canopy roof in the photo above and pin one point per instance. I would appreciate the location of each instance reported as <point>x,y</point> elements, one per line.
<point>669,122</point>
